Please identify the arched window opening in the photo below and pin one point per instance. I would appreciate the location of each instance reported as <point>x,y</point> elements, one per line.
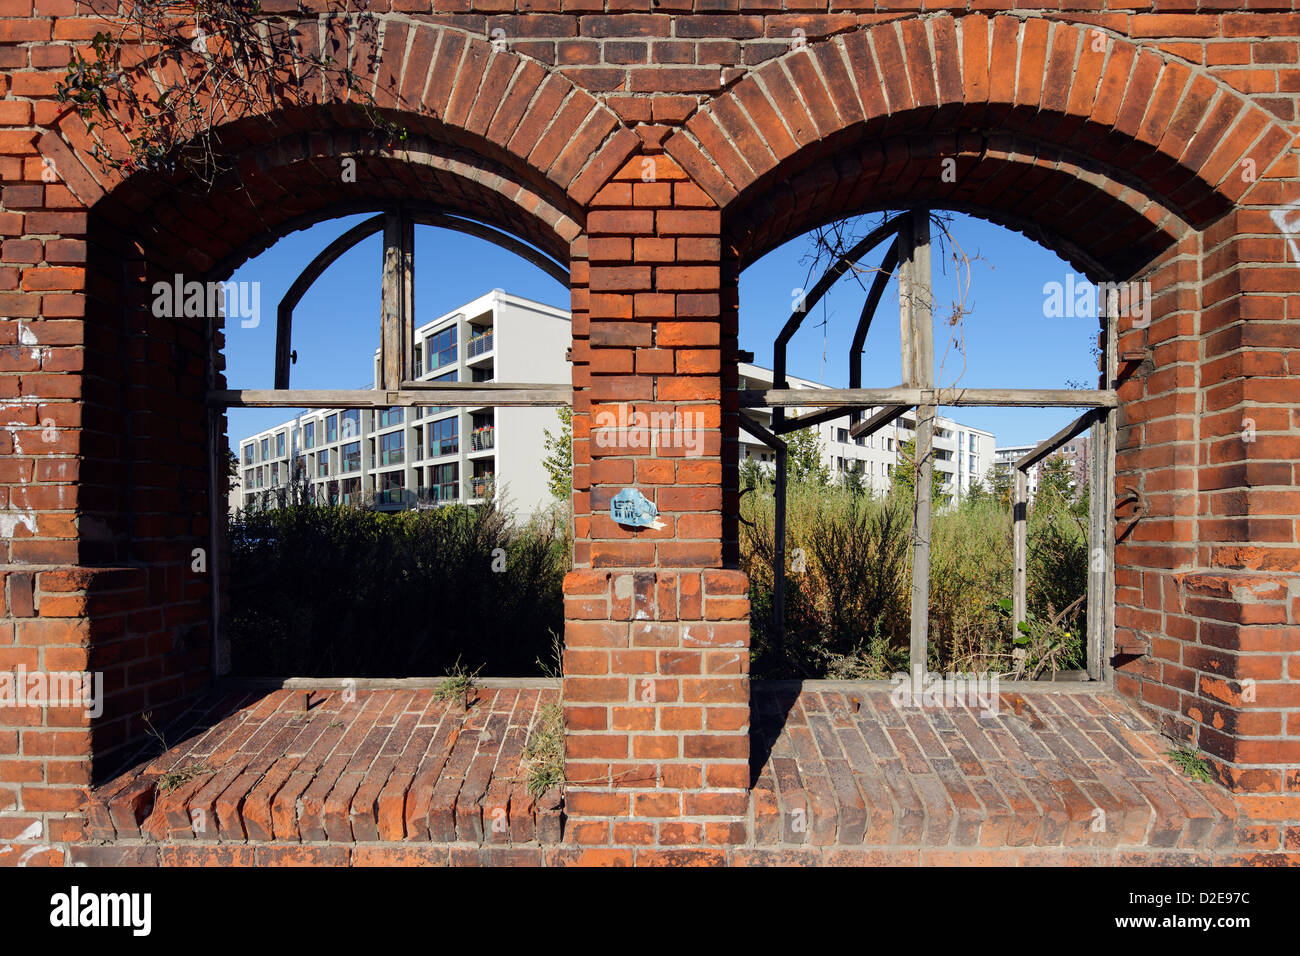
<point>947,524</point>
<point>403,526</point>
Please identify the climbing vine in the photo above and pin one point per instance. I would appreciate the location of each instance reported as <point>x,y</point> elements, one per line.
<point>157,83</point>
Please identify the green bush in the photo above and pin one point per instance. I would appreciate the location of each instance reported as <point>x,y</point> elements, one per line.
<point>341,592</point>
<point>848,585</point>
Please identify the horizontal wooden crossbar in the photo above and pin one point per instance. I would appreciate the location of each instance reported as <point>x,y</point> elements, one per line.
<point>410,394</point>
<point>903,395</point>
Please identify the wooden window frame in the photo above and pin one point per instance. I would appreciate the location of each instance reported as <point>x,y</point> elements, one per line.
<point>909,254</point>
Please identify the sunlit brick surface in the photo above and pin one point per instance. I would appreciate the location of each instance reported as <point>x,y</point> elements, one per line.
<point>842,777</point>
<point>391,765</point>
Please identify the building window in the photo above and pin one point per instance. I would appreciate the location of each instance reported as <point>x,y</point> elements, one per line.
<point>279,445</point>
<point>445,377</point>
<point>442,348</point>
<point>350,459</point>
<point>446,482</point>
<point>266,449</point>
<point>842,435</point>
<point>392,484</point>
<point>444,436</point>
<point>390,416</point>
<point>248,454</point>
<point>323,463</point>
<point>309,435</point>
<point>275,473</point>
<point>390,448</point>
<point>351,423</point>
<point>331,429</point>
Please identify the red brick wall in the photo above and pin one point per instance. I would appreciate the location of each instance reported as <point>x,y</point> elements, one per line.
<point>1116,138</point>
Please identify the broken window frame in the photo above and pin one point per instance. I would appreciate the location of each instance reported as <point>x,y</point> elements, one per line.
<point>909,255</point>
<point>397,385</point>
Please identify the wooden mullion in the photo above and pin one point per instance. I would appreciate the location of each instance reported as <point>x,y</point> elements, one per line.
<point>917,322</point>
<point>397,306</point>
<point>1101,538</point>
<point>1019,550</point>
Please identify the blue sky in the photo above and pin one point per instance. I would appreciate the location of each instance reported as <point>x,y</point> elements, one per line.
<point>1008,341</point>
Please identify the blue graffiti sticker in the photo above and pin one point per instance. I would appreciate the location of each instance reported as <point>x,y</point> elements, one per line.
<point>630,507</point>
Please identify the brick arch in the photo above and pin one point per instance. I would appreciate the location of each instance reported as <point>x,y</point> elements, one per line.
<point>295,181</point>
<point>1048,121</point>
<point>503,133</point>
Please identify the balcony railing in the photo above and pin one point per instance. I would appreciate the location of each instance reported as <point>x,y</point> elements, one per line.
<point>479,344</point>
<point>391,456</point>
<point>483,438</point>
<point>481,486</point>
<point>447,491</point>
<point>433,496</point>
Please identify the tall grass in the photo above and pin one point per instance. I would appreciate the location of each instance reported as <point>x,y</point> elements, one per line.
<point>848,585</point>
<point>336,591</point>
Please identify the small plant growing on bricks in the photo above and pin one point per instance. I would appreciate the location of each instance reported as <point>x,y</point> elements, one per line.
<point>458,686</point>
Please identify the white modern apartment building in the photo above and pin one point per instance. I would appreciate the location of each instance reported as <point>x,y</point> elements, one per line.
<point>410,457</point>
<point>962,454</point>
